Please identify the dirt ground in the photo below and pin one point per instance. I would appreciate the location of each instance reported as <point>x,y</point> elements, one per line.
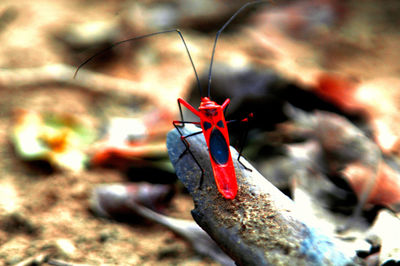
<point>47,213</point>
<point>40,208</point>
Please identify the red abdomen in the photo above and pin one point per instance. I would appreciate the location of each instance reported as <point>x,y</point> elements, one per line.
<point>222,164</point>
<point>225,178</point>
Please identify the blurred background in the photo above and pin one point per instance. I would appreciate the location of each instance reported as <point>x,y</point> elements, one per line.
<point>60,137</point>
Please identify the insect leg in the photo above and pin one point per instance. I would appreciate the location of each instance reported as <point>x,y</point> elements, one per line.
<point>181,113</point>
<point>183,138</point>
<point>243,137</point>
<point>187,145</point>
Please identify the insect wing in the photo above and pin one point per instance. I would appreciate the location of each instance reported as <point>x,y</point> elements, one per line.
<point>221,161</point>
<point>219,150</point>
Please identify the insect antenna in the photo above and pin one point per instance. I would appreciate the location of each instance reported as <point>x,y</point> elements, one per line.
<point>217,36</point>
<point>142,37</point>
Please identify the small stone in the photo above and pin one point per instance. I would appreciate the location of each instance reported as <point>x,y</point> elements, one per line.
<point>9,200</point>
<point>65,247</point>
<point>105,236</point>
<point>17,223</point>
<point>169,252</point>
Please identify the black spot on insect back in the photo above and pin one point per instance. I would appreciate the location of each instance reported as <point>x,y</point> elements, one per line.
<point>218,147</point>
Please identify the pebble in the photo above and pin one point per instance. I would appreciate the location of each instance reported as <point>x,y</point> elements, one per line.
<point>65,247</point>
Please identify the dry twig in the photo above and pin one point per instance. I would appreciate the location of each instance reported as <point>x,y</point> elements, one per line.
<point>63,74</point>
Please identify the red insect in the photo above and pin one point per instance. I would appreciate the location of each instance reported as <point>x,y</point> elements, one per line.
<point>215,131</point>
<point>214,128</point>
<point>212,121</point>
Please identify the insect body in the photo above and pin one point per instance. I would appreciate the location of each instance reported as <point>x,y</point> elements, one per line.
<point>214,128</point>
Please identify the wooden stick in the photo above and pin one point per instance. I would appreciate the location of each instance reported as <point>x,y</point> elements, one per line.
<point>260,226</point>
<point>63,74</point>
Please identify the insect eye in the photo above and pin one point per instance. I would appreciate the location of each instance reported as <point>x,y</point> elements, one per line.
<point>220,124</point>
<point>206,125</point>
